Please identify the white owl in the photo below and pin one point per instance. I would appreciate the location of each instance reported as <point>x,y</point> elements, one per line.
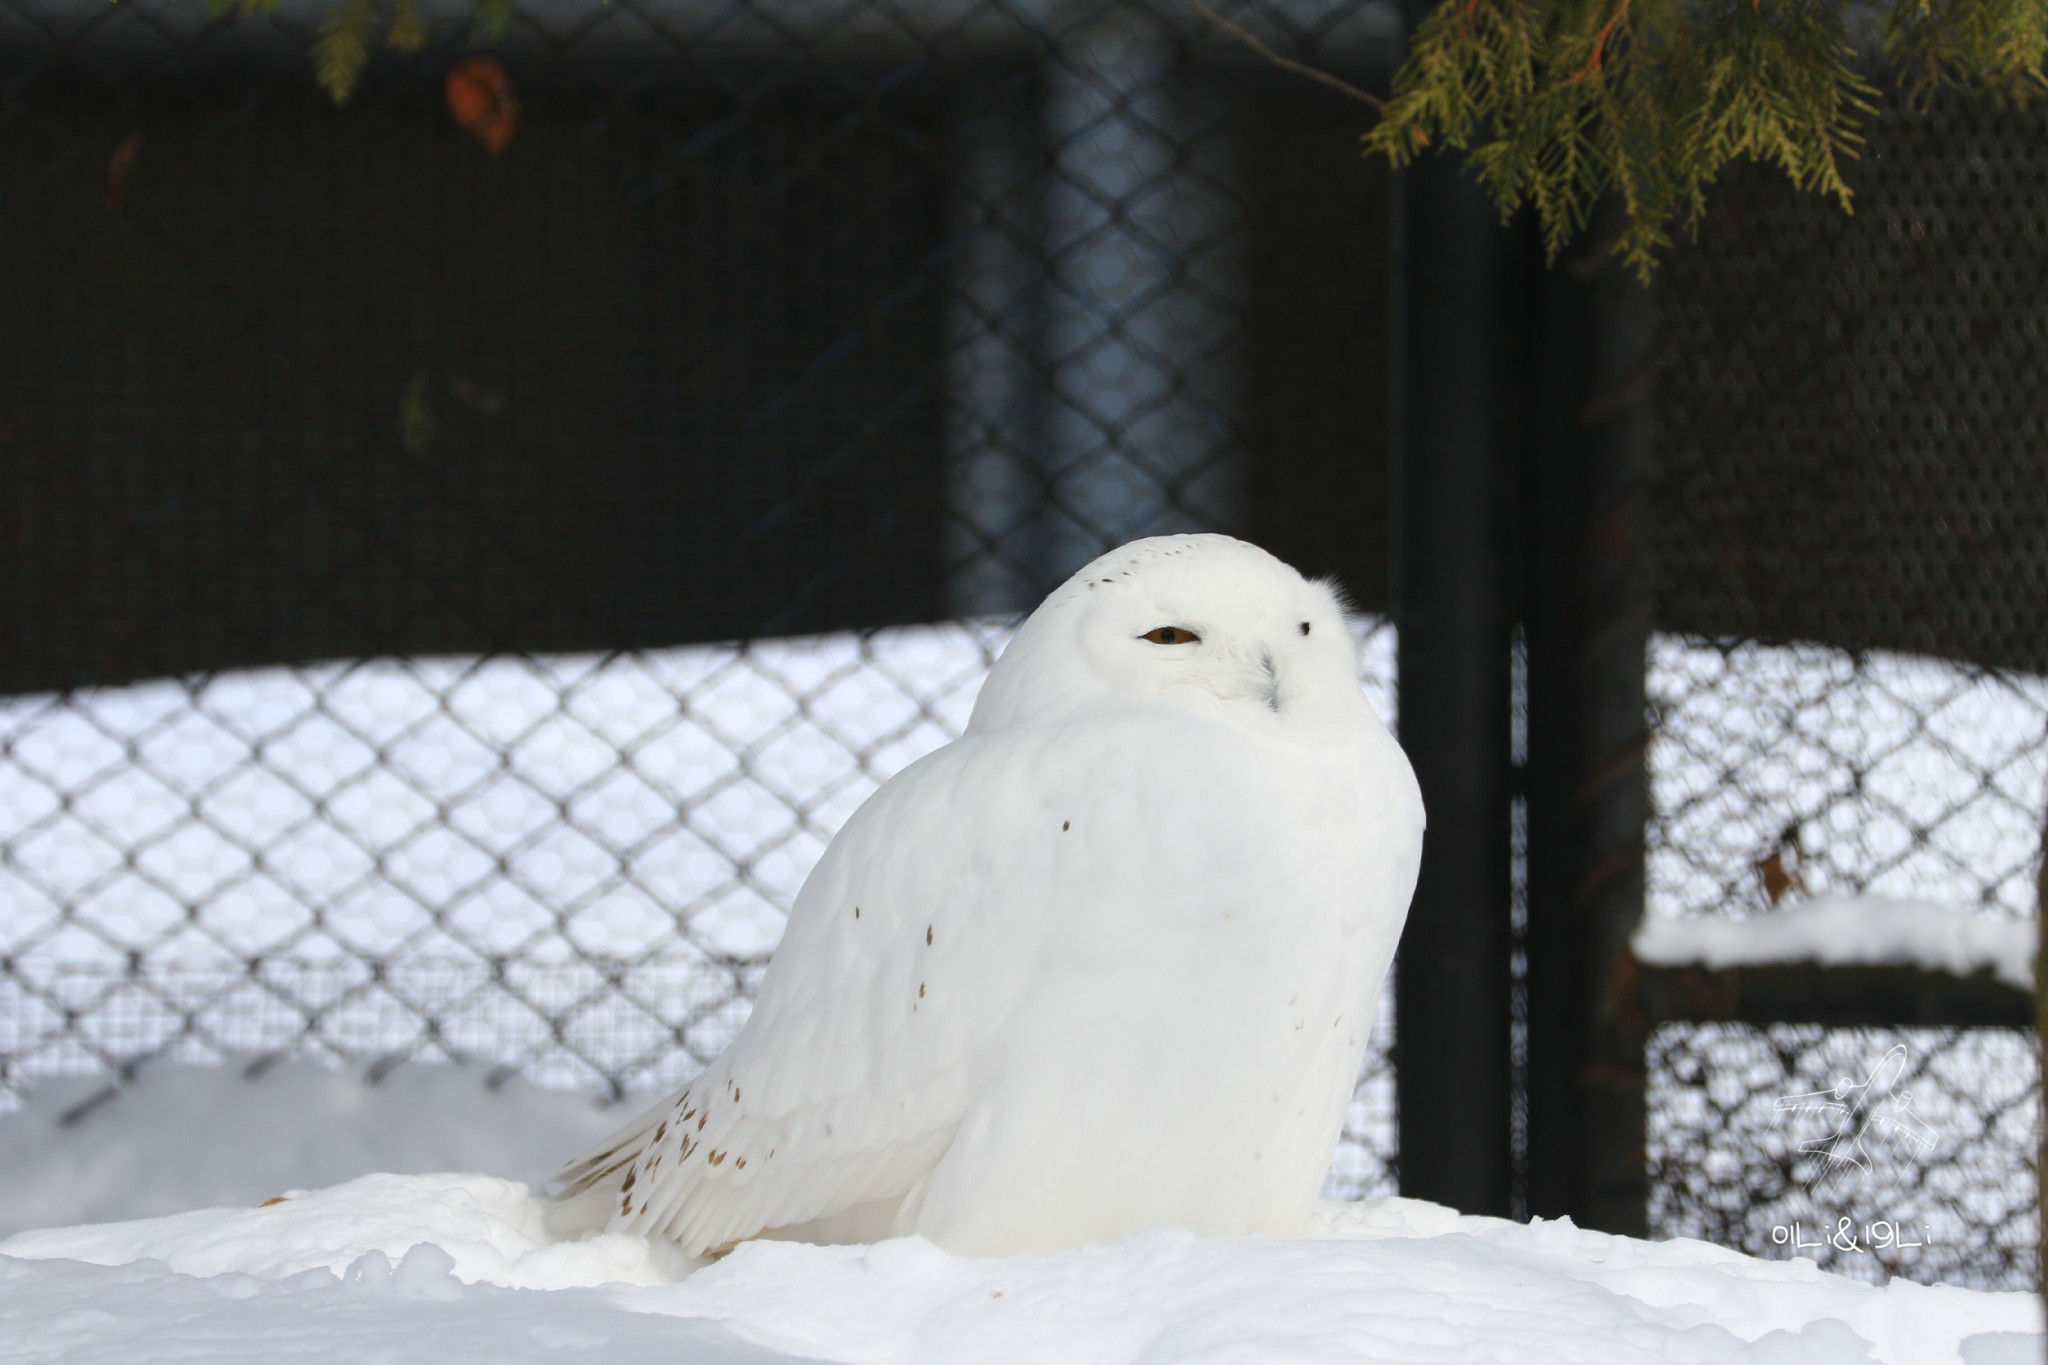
<point>1105,962</point>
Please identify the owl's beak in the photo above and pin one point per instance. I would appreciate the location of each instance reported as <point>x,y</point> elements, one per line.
<point>1243,675</point>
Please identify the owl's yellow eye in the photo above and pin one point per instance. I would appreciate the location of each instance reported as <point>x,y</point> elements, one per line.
<point>1171,635</point>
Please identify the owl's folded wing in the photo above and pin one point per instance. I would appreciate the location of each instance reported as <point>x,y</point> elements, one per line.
<point>847,1082</point>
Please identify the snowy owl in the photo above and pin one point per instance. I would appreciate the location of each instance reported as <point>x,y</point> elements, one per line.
<point>1105,962</point>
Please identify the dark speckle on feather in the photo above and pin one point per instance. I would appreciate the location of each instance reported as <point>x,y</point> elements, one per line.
<point>739,1163</point>
<point>706,1119</point>
<point>927,936</point>
<point>631,1176</point>
<point>1066,825</point>
<point>717,1158</point>
<point>735,1094</point>
<point>920,990</point>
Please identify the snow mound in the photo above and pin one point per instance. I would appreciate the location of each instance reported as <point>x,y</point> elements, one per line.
<point>1849,931</point>
<point>425,1268</point>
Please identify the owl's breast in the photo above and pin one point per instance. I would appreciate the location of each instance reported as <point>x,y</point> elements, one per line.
<point>1215,919</point>
<point>1201,840</point>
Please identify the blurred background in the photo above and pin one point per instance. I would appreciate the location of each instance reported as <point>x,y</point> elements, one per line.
<point>464,552</point>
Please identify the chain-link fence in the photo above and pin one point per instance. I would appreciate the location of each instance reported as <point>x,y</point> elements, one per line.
<point>1854,553</point>
<point>774,323</point>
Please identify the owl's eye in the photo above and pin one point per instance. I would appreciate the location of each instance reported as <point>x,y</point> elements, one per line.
<point>1171,635</point>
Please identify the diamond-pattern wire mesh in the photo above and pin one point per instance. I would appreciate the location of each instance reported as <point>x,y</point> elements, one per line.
<point>1853,566</point>
<point>1930,1179</point>
<point>1010,325</point>
<point>465,860</point>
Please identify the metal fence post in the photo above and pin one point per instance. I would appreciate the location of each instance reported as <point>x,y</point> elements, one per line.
<point>1587,615</point>
<point>1452,429</point>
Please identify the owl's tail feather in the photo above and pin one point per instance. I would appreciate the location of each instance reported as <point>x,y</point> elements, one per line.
<point>600,1169</point>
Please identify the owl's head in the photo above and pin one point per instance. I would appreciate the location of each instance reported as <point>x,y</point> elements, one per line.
<point>1204,622</point>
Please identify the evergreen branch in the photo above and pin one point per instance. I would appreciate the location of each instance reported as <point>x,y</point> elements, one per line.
<point>1559,103</point>
<point>343,48</point>
<point>1998,46</point>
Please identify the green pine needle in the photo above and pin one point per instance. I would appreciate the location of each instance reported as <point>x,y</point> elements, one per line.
<point>343,48</point>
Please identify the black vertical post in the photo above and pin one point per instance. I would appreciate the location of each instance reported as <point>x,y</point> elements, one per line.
<point>1452,428</point>
<point>1588,614</point>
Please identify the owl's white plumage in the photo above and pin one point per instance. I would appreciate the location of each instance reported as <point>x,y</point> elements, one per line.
<point>1107,961</point>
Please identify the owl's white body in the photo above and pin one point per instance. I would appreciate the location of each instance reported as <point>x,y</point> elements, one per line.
<point>1107,961</point>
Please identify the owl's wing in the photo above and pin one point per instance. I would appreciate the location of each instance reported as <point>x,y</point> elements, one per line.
<point>846,1083</point>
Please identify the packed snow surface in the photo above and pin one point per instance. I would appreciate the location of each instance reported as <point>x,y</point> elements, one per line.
<point>1849,930</point>
<point>431,1267</point>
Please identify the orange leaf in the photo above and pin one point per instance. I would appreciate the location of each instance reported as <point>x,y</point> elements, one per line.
<point>480,98</point>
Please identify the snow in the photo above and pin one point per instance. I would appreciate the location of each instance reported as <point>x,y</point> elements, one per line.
<point>431,1265</point>
<point>426,1267</point>
<point>460,1268</point>
<point>1849,930</point>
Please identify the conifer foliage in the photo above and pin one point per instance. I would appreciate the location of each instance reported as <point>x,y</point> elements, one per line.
<point>1560,102</point>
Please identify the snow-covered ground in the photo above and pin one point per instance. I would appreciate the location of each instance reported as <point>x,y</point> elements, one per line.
<point>458,1268</point>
